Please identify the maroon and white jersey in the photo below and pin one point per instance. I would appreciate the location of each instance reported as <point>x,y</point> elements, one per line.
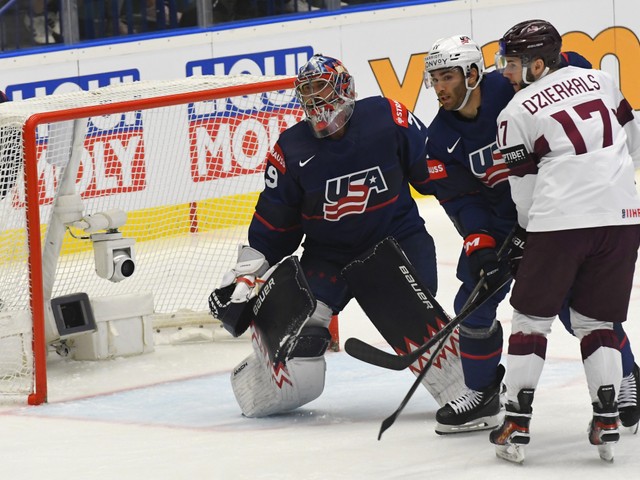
<point>570,141</point>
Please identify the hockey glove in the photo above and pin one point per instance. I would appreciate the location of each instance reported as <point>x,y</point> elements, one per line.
<point>227,303</point>
<point>516,249</point>
<point>483,258</point>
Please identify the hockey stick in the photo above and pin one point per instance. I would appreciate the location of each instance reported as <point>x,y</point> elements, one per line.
<point>381,358</point>
<point>368,353</point>
<point>473,302</point>
<point>440,337</point>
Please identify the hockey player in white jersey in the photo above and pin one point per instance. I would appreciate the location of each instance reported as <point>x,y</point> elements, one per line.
<point>570,141</point>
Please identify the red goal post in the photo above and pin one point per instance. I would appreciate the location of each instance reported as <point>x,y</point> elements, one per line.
<point>183,159</point>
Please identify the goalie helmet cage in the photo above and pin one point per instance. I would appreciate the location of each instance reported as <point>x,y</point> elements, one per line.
<point>184,159</point>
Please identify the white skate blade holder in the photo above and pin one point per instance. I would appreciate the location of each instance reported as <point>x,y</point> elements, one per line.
<point>483,423</point>
<point>512,452</point>
<point>606,452</point>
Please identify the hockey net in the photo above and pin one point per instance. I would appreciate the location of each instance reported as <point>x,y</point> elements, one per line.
<point>184,159</point>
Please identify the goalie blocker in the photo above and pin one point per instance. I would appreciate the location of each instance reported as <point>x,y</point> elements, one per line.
<point>289,335</point>
<point>406,314</point>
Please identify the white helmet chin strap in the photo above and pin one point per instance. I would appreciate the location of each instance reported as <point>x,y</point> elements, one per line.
<point>524,74</point>
<point>468,94</point>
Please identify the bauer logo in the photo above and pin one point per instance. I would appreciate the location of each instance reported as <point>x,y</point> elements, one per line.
<point>422,296</point>
<point>22,91</point>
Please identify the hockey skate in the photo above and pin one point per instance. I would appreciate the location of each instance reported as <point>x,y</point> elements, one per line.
<point>603,429</point>
<point>473,410</point>
<point>513,435</point>
<point>628,400</point>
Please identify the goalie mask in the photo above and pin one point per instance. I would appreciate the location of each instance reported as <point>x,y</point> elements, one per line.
<point>529,41</point>
<point>458,51</point>
<point>326,93</point>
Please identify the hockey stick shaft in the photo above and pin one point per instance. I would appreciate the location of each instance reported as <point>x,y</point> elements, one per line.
<point>390,420</point>
<point>381,358</point>
<point>473,302</point>
<point>442,336</point>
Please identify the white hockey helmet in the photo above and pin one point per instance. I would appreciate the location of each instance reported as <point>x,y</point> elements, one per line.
<point>457,51</point>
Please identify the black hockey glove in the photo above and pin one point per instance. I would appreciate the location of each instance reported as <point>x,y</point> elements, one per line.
<point>483,258</point>
<point>235,317</point>
<point>227,303</point>
<point>516,249</point>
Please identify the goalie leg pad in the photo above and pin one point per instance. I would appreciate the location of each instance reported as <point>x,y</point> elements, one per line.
<point>262,391</point>
<point>419,318</point>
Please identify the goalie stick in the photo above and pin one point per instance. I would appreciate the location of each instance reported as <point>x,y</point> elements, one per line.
<point>474,301</point>
<point>368,353</point>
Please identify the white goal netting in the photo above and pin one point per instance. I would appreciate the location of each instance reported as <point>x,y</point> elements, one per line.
<point>184,159</point>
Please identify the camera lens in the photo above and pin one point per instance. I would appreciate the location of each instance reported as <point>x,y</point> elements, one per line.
<point>127,268</point>
<point>124,266</point>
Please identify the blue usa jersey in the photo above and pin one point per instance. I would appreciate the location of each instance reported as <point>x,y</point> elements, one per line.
<point>467,173</point>
<point>342,195</point>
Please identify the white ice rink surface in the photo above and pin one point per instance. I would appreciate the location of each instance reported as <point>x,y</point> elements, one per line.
<point>171,414</point>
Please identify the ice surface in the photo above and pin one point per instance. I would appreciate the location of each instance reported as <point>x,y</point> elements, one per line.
<point>171,414</point>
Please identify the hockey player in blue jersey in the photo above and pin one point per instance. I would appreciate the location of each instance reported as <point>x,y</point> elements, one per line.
<point>339,181</point>
<point>469,178</point>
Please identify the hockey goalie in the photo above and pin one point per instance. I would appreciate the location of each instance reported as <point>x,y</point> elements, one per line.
<point>340,181</point>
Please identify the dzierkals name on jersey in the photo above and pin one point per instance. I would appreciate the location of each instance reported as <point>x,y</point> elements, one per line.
<point>559,91</point>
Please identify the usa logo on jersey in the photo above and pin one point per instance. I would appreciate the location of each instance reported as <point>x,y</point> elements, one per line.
<point>488,165</point>
<point>350,194</point>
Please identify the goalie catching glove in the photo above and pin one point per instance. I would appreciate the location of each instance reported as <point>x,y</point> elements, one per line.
<point>227,302</point>
<point>480,248</point>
